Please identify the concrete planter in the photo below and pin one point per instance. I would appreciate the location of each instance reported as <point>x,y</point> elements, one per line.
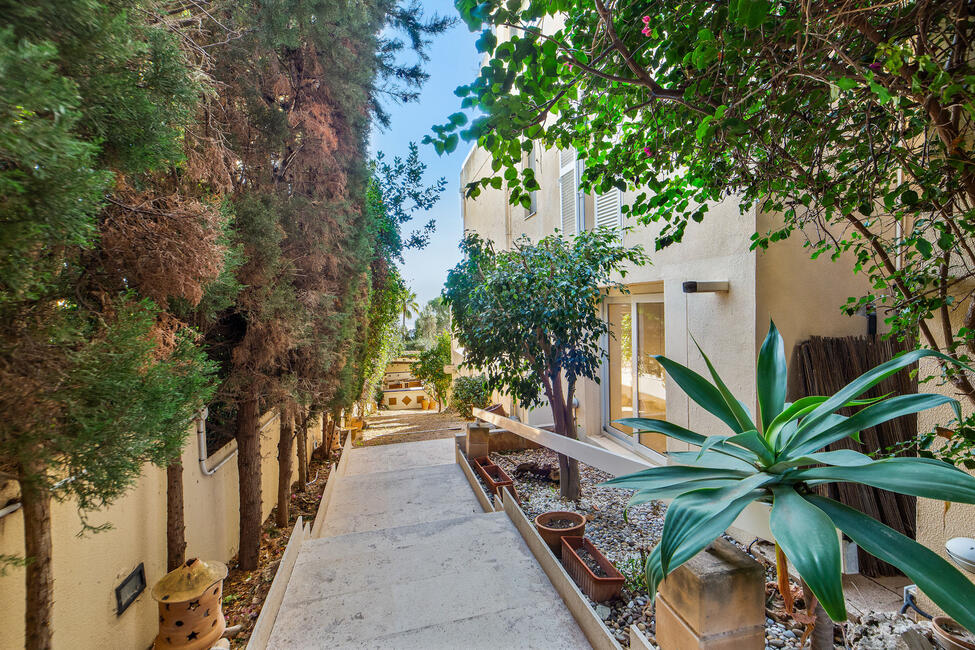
<point>553,536</point>
<point>598,588</point>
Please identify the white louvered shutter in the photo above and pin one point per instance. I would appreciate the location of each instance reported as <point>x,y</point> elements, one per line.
<point>608,213</point>
<point>568,191</point>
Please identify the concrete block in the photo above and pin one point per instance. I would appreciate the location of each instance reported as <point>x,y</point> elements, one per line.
<point>478,440</point>
<point>715,600</point>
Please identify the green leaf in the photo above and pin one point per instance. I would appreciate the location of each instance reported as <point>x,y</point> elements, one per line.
<point>865,382</point>
<point>841,457</point>
<point>809,540</point>
<point>680,433</point>
<point>712,517</point>
<point>450,144</point>
<point>755,443</point>
<point>705,513</point>
<point>487,42</point>
<point>666,475</point>
<point>701,391</point>
<point>671,491</point>
<point>812,439</point>
<point>924,247</point>
<point>912,476</point>
<point>939,580</point>
<point>458,119</point>
<point>846,84</point>
<point>711,459</point>
<point>772,377</point>
<point>750,13</point>
<point>734,405</point>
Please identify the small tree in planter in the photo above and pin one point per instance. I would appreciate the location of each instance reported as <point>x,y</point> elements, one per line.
<point>429,369</point>
<point>777,460</point>
<point>529,318</point>
<point>470,393</point>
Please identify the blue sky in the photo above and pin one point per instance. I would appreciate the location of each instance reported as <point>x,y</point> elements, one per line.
<point>453,62</point>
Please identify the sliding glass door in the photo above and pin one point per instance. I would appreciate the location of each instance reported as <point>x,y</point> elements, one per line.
<point>634,383</point>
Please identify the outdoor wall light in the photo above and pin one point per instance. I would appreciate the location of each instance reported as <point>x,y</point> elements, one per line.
<point>129,589</point>
<point>704,287</point>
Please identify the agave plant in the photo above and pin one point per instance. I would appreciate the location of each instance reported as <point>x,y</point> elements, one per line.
<point>780,461</point>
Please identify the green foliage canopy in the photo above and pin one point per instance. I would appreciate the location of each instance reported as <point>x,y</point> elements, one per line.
<point>529,317</point>
<point>851,123</point>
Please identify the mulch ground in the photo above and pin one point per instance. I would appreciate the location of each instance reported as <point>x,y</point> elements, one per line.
<point>390,427</point>
<point>244,591</point>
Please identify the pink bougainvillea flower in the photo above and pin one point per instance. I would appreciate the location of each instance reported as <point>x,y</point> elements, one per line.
<point>646,20</point>
<point>646,31</point>
<point>647,151</point>
<point>876,66</point>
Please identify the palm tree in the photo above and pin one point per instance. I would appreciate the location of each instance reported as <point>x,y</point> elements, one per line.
<point>409,305</point>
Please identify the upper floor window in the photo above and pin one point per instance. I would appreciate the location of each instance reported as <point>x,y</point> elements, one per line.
<point>607,208</point>
<point>569,198</point>
<point>531,162</point>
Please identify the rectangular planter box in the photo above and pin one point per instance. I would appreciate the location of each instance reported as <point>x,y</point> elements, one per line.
<point>599,589</point>
<point>480,463</point>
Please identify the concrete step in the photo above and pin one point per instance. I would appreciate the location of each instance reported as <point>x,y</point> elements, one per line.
<point>386,458</point>
<point>463,582</point>
<point>409,495</point>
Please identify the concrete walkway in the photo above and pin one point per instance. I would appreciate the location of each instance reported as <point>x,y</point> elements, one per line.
<point>408,559</point>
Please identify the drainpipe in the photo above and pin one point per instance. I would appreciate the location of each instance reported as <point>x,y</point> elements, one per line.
<point>201,436</point>
<point>14,507</point>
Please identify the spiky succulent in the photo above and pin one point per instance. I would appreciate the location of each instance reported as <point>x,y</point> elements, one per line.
<point>779,460</point>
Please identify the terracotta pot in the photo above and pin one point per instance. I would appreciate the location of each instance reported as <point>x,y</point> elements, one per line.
<point>190,614</point>
<point>598,588</point>
<point>950,635</point>
<point>553,536</point>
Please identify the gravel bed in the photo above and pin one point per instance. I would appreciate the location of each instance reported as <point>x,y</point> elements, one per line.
<point>621,540</point>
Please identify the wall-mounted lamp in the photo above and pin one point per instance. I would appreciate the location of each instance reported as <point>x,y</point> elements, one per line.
<point>129,589</point>
<point>704,287</point>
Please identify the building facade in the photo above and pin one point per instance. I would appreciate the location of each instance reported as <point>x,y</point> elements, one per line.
<point>738,291</point>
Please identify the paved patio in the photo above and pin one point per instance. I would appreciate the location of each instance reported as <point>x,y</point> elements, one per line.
<point>408,559</point>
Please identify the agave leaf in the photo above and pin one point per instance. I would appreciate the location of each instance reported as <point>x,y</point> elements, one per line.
<point>710,442</point>
<point>699,510</point>
<point>868,380</point>
<point>676,489</point>
<point>936,480</point>
<point>684,435</point>
<point>668,475</point>
<point>841,457</point>
<point>723,515</point>
<point>703,393</point>
<point>711,459</point>
<point>807,440</point>
<point>735,406</point>
<point>809,540</point>
<point>941,582</point>
<point>756,444</point>
<point>772,376</point>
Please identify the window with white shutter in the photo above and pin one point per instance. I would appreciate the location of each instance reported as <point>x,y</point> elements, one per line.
<point>607,208</point>
<point>568,191</point>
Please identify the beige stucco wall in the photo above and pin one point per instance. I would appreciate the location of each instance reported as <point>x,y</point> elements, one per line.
<point>934,525</point>
<point>87,569</point>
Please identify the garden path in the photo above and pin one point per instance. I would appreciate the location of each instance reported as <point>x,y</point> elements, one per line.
<point>407,558</point>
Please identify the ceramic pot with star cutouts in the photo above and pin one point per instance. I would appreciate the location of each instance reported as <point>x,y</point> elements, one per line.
<point>190,613</point>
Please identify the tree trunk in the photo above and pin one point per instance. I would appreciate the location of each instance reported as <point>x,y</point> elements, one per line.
<point>570,486</point>
<point>175,523</point>
<point>285,454</point>
<point>38,578</point>
<point>249,482</point>
<point>302,447</point>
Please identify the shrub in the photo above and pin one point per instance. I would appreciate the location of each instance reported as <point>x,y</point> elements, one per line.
<point>470,392</point>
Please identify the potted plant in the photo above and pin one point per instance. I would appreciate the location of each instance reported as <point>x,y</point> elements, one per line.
<point>777,460</point>
<point>553,526</point>
<point>590,569</point>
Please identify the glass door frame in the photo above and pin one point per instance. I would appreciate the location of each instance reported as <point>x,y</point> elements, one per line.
<point>627,439</point>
